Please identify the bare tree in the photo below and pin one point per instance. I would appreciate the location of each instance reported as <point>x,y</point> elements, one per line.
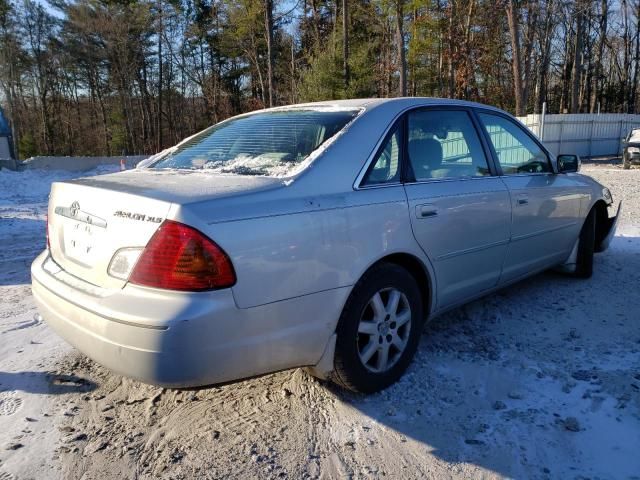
<point>345,42</point>
<point>268,25</point>
<point>105,77</point>
<point>596,88</point>
<point>402,62</point>
<point>159,116</point>
<point>636,57</point>
<point>545,36</point>
<point>577,56</point>
<point>516,58</point>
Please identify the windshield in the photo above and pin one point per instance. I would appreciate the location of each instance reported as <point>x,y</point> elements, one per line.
<point>634,136</point>
<point>272,143</point>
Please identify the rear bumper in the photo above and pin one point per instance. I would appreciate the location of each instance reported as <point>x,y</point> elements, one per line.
<point>183,340</point>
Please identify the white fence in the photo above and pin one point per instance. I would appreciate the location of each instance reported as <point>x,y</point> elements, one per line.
<point>585,134</point>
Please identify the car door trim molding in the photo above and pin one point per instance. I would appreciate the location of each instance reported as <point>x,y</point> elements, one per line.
<point>479,248</point>
<point>542,232</point>
<point>501,242</point>
<point>311,210</point>
<point>451,179</point>
<point>531,174</point>
<point>467,194</point>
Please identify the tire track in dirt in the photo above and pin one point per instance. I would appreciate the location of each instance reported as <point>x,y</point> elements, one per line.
<point>23,325</point>
<point>266,427</point>
<point>10,403</point>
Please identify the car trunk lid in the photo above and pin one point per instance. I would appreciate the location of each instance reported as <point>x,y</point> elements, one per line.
<point>90,219</point>
<point>87,225</point>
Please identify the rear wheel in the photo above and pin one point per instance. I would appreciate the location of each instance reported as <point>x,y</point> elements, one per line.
<point>586,247</point>
<point>379,329</point>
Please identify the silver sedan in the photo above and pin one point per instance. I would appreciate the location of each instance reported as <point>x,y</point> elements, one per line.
<point>321,235</point>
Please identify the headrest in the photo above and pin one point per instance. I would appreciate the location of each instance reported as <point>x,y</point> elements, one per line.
<point>425,153</point>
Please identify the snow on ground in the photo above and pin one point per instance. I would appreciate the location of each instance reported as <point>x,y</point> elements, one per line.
<point>28,349</point>
<point>23,210</point>
<point>540,380</point>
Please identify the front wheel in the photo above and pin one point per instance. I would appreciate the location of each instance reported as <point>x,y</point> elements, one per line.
<point>626,162</point>
<point>379,329</point>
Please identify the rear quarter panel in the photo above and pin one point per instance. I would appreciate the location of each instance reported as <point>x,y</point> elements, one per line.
<point>328,242</point>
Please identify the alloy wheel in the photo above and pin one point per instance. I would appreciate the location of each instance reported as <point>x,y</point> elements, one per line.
<point>383,330</point>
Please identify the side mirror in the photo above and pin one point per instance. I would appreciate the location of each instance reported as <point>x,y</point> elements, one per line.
<point>568,163</point>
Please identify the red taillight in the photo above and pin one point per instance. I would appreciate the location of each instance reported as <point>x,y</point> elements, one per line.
<point>179,257</point>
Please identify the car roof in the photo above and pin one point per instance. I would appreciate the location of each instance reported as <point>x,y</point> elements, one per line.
<point>404,102</point>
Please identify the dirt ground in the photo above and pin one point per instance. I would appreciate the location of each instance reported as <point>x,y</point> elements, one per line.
<point>540,380</point>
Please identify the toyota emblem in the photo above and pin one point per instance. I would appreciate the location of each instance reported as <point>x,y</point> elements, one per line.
<point>75,208</point>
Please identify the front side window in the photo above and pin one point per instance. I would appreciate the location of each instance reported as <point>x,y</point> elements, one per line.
<point>444,144</point>
<point>272,143</point>
<point>517,152</point>
<point>385,167</point>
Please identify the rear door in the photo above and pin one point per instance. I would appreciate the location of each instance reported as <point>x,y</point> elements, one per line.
<point>546,206</point>
<point>460,211</point>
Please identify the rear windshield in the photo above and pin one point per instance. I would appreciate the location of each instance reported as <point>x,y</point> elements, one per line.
<point>271,143</point>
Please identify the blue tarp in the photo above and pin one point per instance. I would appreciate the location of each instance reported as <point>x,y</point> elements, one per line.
<point>5,131</point>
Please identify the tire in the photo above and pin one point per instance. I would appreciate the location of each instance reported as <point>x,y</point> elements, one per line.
<point>586,247</point>
<point>362,333</point>
<point>626,162</point>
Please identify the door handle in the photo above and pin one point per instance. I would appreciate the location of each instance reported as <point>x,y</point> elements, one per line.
<point>523,200</point>
<point>425,211</point>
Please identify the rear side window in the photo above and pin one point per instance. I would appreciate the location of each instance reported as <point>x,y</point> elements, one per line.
<point>444,144</point>
<point>517,152</point>
<point>273,143</point>
<point>385,167</point>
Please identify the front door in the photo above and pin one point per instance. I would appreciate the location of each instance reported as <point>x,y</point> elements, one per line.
<point>460,212</point>
<point>546,206</point>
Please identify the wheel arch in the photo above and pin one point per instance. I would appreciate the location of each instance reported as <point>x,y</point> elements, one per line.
<point>418,270</point>
<point>410,262</point>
